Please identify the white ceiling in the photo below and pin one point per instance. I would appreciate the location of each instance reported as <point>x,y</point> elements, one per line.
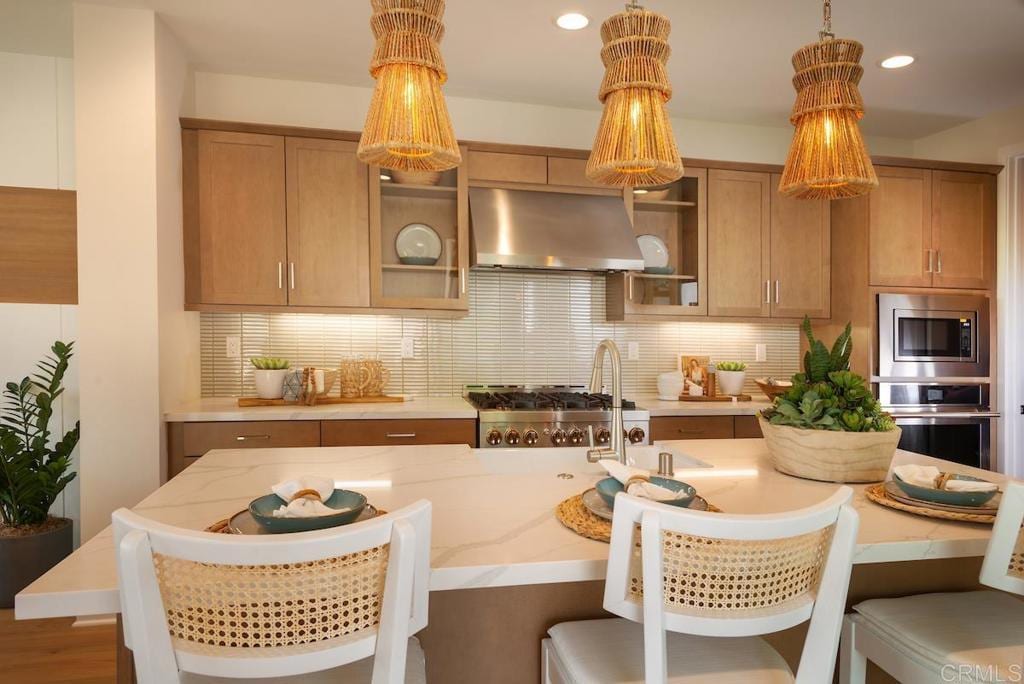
<point>730,58</point>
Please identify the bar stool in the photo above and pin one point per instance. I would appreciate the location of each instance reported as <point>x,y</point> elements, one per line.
<point>306,607</point>
<point>717,575</point>
<point>949,637</point>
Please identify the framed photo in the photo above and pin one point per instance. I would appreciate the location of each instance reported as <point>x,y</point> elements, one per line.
<point>695,370</point>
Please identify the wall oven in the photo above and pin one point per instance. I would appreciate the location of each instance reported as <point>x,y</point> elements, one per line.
<point>933,336</point>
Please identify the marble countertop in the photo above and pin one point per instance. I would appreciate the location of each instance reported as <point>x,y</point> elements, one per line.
<point>493,510</point>
<point>659,408</point>
<point>221,409</point>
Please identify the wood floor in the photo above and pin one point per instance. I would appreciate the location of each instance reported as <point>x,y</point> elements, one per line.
<point>44,651</point>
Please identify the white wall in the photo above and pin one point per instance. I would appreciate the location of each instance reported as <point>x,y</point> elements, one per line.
<point>980,140</point>
<point>324,105</point>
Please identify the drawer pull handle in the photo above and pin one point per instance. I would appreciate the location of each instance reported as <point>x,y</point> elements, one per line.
<point>246,438</point>
<point>691,432</point>
<point>401,435</point>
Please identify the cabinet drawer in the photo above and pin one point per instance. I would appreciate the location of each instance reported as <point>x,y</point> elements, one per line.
<point>202,437</point>
<point>501,166</point>
<point>747,427</point>
<point>692,427</point>
<point>384,432</point>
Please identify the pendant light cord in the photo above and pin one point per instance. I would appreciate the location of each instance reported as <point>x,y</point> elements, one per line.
<point>826,31</point>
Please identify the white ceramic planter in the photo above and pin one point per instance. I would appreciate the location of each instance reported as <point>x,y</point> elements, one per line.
<point>670,385</point>
<point>731,382</point>
<point>269,383</point>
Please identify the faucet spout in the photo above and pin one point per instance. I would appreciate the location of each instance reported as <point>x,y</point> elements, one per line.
<point>610,349</point>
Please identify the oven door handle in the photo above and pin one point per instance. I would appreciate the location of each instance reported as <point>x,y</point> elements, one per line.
<point>947,414</point>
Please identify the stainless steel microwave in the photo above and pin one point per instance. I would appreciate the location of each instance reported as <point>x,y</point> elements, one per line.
<point>933,336</point>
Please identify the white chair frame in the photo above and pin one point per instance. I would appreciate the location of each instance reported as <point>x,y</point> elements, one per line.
<point>824,609</point>
<point>860,644</point>
<point>403,609</point>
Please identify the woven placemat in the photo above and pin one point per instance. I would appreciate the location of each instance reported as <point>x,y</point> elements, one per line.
<point>221,526</point>
<point>574,515</point>
<point>878,494</point>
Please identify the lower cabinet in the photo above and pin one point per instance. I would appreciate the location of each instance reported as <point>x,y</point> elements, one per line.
<point>704,427</point>
<point>387,432</point>
<point>186,442</point>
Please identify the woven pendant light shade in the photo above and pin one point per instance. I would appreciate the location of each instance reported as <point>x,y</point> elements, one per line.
<point>828,158</point>
<point>408,127</point>
<point>635,145</point>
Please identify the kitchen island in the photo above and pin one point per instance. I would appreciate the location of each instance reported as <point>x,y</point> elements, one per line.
<point>504,568</point>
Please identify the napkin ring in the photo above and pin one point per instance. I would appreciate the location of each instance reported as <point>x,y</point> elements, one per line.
<point>308,494</point>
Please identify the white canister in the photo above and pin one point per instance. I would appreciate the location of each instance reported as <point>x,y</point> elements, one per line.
<point>731,382</point>
<point>269,383</point>
<point>670,385</point>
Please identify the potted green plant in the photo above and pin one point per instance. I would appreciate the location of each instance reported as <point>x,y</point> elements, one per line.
<point>33,472</point>
<point>828,426</point>
<point>731,376</point>
<point>269,376</point>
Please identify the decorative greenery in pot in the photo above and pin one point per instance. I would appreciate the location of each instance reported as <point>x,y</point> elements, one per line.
<point>828,426</point>
<point>731,376</point>
<point>33,472</point>
<point>269,376</point>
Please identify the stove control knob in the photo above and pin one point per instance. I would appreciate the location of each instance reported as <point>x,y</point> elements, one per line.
<point>602,435</point>
<point>558,437</point>
<point>530,437</point>
<point>493,437</point>
<point>575,437</point>
<point>636,435</point>
<point>512,436</point>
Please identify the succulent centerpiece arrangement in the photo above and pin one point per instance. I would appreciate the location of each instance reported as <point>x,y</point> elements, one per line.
<point>731,376</point>
<point>269,376</point>
<point>828,425</point>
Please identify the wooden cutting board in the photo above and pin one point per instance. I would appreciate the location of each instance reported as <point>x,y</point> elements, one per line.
<point>720,397</point>
<point>383,399</point>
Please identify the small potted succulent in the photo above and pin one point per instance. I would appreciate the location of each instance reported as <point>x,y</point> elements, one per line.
<point>829,426</point>
<point>731,376</point>
<point>269,376</point>
<point>33,472</point>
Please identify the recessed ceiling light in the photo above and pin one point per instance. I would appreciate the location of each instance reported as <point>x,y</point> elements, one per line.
<point>572,21</point>
<point>897,62</point>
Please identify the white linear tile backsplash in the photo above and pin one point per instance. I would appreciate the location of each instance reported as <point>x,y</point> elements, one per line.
<point>523,328</point>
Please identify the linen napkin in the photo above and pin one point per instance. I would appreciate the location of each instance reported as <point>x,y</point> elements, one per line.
<point>636,481</point>
<point>324,486</point>
<point>306,508</point>
<point>926,476</point>
<point>623,473</point>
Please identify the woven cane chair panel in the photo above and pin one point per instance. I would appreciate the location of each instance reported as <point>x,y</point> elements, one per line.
<point>1016,568</point>
<point>724,577</point>
<point>268,606</point>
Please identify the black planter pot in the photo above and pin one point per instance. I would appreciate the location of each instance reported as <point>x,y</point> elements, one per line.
<point>25,559</point>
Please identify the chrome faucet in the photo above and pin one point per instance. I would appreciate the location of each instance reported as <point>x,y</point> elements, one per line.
<point>618,441</point>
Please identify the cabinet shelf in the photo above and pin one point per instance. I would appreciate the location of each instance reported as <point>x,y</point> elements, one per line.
<point>657,276</point>
<point>421,191</point>
<point>409,268</point>
<point>661,205</point>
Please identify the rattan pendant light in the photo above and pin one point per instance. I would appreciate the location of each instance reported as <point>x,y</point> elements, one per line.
<point>408,127</point>
<point>828,158</point>
<point>635,145</point>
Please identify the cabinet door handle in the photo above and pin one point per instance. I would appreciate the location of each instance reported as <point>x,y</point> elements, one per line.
<point>401,435</point>
<point>767,292</point>
<point>291,274</point>
<point>462,280</point>
<point>776,291</point>
<point>938,261</point>
<point>280,275</point>
<point>251,438</point>
<point>931,260</point>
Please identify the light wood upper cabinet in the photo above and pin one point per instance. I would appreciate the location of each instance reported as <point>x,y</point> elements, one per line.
<point>739,226</point>
<point>570,172</point>
<point>963,229</point>
<point>801,256</point>
<point>241,218</point>
<point>901,228</point>
<point>507,167</point>
<point>328,229</point>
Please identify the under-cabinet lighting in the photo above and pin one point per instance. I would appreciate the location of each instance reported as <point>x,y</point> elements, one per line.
<point>385,177</point>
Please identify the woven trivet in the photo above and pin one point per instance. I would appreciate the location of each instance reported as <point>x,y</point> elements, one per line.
<point>574,515</point>
<point>877,494</point>
<point>221,526</point>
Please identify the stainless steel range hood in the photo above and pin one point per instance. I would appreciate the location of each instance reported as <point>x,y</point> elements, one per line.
<point>552,230</point>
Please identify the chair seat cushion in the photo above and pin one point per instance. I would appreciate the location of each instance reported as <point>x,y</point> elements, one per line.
<point>984,628</point>
<point>613,651</point>
<point>359,672</point>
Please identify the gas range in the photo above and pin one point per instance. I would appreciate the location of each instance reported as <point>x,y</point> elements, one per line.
<point>560,415</point>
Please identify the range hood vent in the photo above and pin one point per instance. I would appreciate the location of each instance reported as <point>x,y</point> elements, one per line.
<point>552,230</point>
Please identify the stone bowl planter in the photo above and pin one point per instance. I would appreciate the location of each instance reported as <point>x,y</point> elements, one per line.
<point>25,558</point>
<point>830,456</point>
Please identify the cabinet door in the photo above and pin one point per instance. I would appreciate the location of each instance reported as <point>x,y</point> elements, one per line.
<point>801,254</point>
<point>901,229</point>
<point>964,229</point>
<point>242,237</point>
<point>507,167</point>
<point>738,243</point>
<point>328,229</point>
<point>398,431</point>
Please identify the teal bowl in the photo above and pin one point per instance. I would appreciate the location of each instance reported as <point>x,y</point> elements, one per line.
<point>942,496</point>
<point>609,487</point>
<point>262,510</point>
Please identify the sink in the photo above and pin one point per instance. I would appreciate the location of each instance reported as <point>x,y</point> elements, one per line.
<point>574,460</point>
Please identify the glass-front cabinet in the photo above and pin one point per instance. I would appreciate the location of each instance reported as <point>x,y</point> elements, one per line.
<point>670,223</point>
<point>419,239</point>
